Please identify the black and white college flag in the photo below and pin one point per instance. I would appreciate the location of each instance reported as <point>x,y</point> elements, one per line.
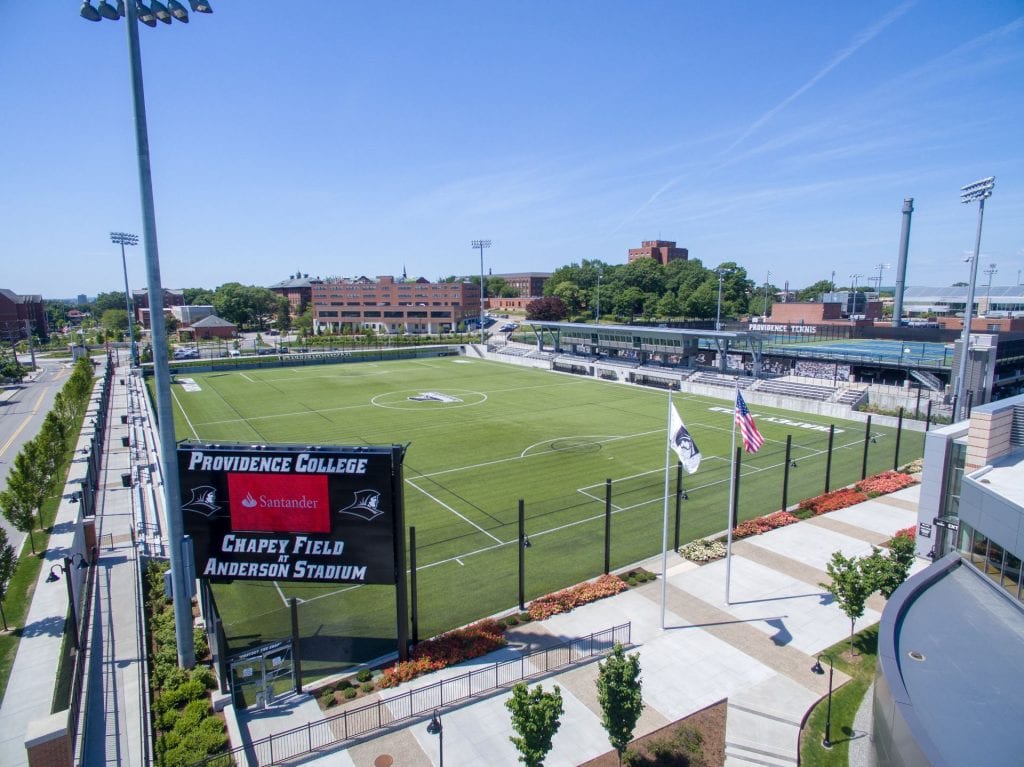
<point>682,443</point>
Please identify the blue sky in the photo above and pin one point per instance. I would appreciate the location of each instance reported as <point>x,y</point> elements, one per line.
<point>342,138</point>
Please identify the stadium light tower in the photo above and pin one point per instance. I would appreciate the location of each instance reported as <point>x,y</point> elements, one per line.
<point>768,277</point>
<point>481,244</point>
<point>992,270</point>
<point>718,313</point>
<point>122,239</point>
<point>133,14</point>
<point>853,296</point>
<point>978,191</point>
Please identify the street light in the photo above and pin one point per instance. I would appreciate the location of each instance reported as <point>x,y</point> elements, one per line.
<point>436,728</point>
<point>481,244</point>
<point>122,239</point>
<point>853,295</point>
<point>134,12</point>
<point>718,313</point>
<point>66,569</point>
<point>817,669</point>
<point>988,296</point>
<point>980,191</point>
<point>766,294</point>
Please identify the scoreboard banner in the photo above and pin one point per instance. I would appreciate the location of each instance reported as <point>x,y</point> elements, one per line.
<point>287,513</point>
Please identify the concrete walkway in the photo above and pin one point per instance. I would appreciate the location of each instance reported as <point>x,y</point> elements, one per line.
<point>113,728</point>
<point>755,650</point>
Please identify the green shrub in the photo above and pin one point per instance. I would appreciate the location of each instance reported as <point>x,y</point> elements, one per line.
<point>689,739</point>
<point>201,645</point>
<point>367,687</point>
<point>525,617</point>
<point>350,693</point>
<point>205,676</point>
<point>180,749</point>
<point>175,697</point>
<point>344,684</point>
<point>327,698</point>
<point>364,675</point>
<point>512,620</point>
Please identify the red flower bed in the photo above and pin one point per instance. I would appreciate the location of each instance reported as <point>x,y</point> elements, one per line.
<point>567,599</point>
<point>763,524</point>
<point>837,499</point>
<point>446,650</point>
<point>908,532</point>
<point>886,482</point>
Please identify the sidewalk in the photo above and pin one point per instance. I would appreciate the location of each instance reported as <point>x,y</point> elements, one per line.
<point>112,730</point>
<point>756,651</point>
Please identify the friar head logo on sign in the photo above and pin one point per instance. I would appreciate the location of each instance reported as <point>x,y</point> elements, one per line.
<point>204,501</point>
<point>365,506</point>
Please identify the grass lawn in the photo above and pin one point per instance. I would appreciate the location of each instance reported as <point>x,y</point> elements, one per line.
<point>501,433</point>
<point>845,701</point>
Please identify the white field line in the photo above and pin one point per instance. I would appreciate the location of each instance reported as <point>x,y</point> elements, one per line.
<point>465,519</point>
<point>185,414</point>
<point>246,378</point>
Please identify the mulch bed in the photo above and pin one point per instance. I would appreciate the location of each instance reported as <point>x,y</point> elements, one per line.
<point>709,721</point>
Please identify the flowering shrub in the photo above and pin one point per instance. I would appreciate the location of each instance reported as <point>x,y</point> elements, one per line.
<point>763,524</point>
<point>446,650</point>
<point>886,482</point>
<point>704,550</point>
<point>908,532</point>
<point>837,499</point>
<point>581,594</point>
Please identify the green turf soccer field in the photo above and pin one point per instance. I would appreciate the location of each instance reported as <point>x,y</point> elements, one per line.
<point>505,433</point>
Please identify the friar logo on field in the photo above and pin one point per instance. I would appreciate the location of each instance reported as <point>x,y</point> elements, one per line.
<point>204,501</point>
<point>434,396</point>
<point>365,506</point>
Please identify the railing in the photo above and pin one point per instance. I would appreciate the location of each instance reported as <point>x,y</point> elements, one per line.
<point>358,722</point>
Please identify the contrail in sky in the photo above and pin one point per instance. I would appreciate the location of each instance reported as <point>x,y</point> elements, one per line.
<point>858,42</point>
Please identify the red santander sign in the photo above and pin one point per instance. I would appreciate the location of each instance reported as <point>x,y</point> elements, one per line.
<point>279,503</point>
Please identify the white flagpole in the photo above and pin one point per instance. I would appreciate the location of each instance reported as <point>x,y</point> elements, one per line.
<point>732,495</point>
<point>664,529</point>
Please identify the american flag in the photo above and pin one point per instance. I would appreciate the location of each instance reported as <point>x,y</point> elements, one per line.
<point>752,439</point>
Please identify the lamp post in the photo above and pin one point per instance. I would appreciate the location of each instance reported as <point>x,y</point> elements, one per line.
<point>53,577</point>
<point>817,669</point>
<point>134,13</point>
<point>718,313</point>
<point>481,244</point>
<point>597,315</point>
<point>768,277</point>
<point>853,295</point>
<point>988,295</point>
<point>122,239</point>
<point>436,728</point>
<point>980,191</point>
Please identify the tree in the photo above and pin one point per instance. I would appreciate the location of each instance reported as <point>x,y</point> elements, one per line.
<point>104,301</point>
<point>283,314</point>
<point>17,508</point>
<point>8,563</point>
<point>114,321</point>
<point>887,573</point>
<point>569,294</point>
<point>197,297</point>
<point>549,308</point>
<point>535,716</point>
<point>814,292</point>
<point>851,586</point>
<point>618,692</point>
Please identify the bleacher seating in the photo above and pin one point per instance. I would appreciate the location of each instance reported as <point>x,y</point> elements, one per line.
<point>717,379</point>
<point>793,389</point>
<point>849,396</point>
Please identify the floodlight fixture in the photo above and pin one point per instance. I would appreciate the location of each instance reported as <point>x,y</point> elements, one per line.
<point>88,12</point>
<point>160,11</point>
<point>178,11</point>
<point>200,6</point>
<point>979,190</point>
<point>146,16</point>
<point>108,11</point>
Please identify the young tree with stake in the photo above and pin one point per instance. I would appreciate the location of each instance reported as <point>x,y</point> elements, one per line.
<point>619,693</point>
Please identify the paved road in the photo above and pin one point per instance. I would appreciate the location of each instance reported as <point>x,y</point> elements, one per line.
<point>22,410</point>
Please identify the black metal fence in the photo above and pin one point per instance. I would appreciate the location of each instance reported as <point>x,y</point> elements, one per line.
<point>349,724</point>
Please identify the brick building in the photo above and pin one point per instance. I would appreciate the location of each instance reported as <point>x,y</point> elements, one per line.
<point>298,290</point>
<point>661,251</point>
<point>18,313</point>
<point>528,284</point>
<point>140,303</point>
<point>387,306</point>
